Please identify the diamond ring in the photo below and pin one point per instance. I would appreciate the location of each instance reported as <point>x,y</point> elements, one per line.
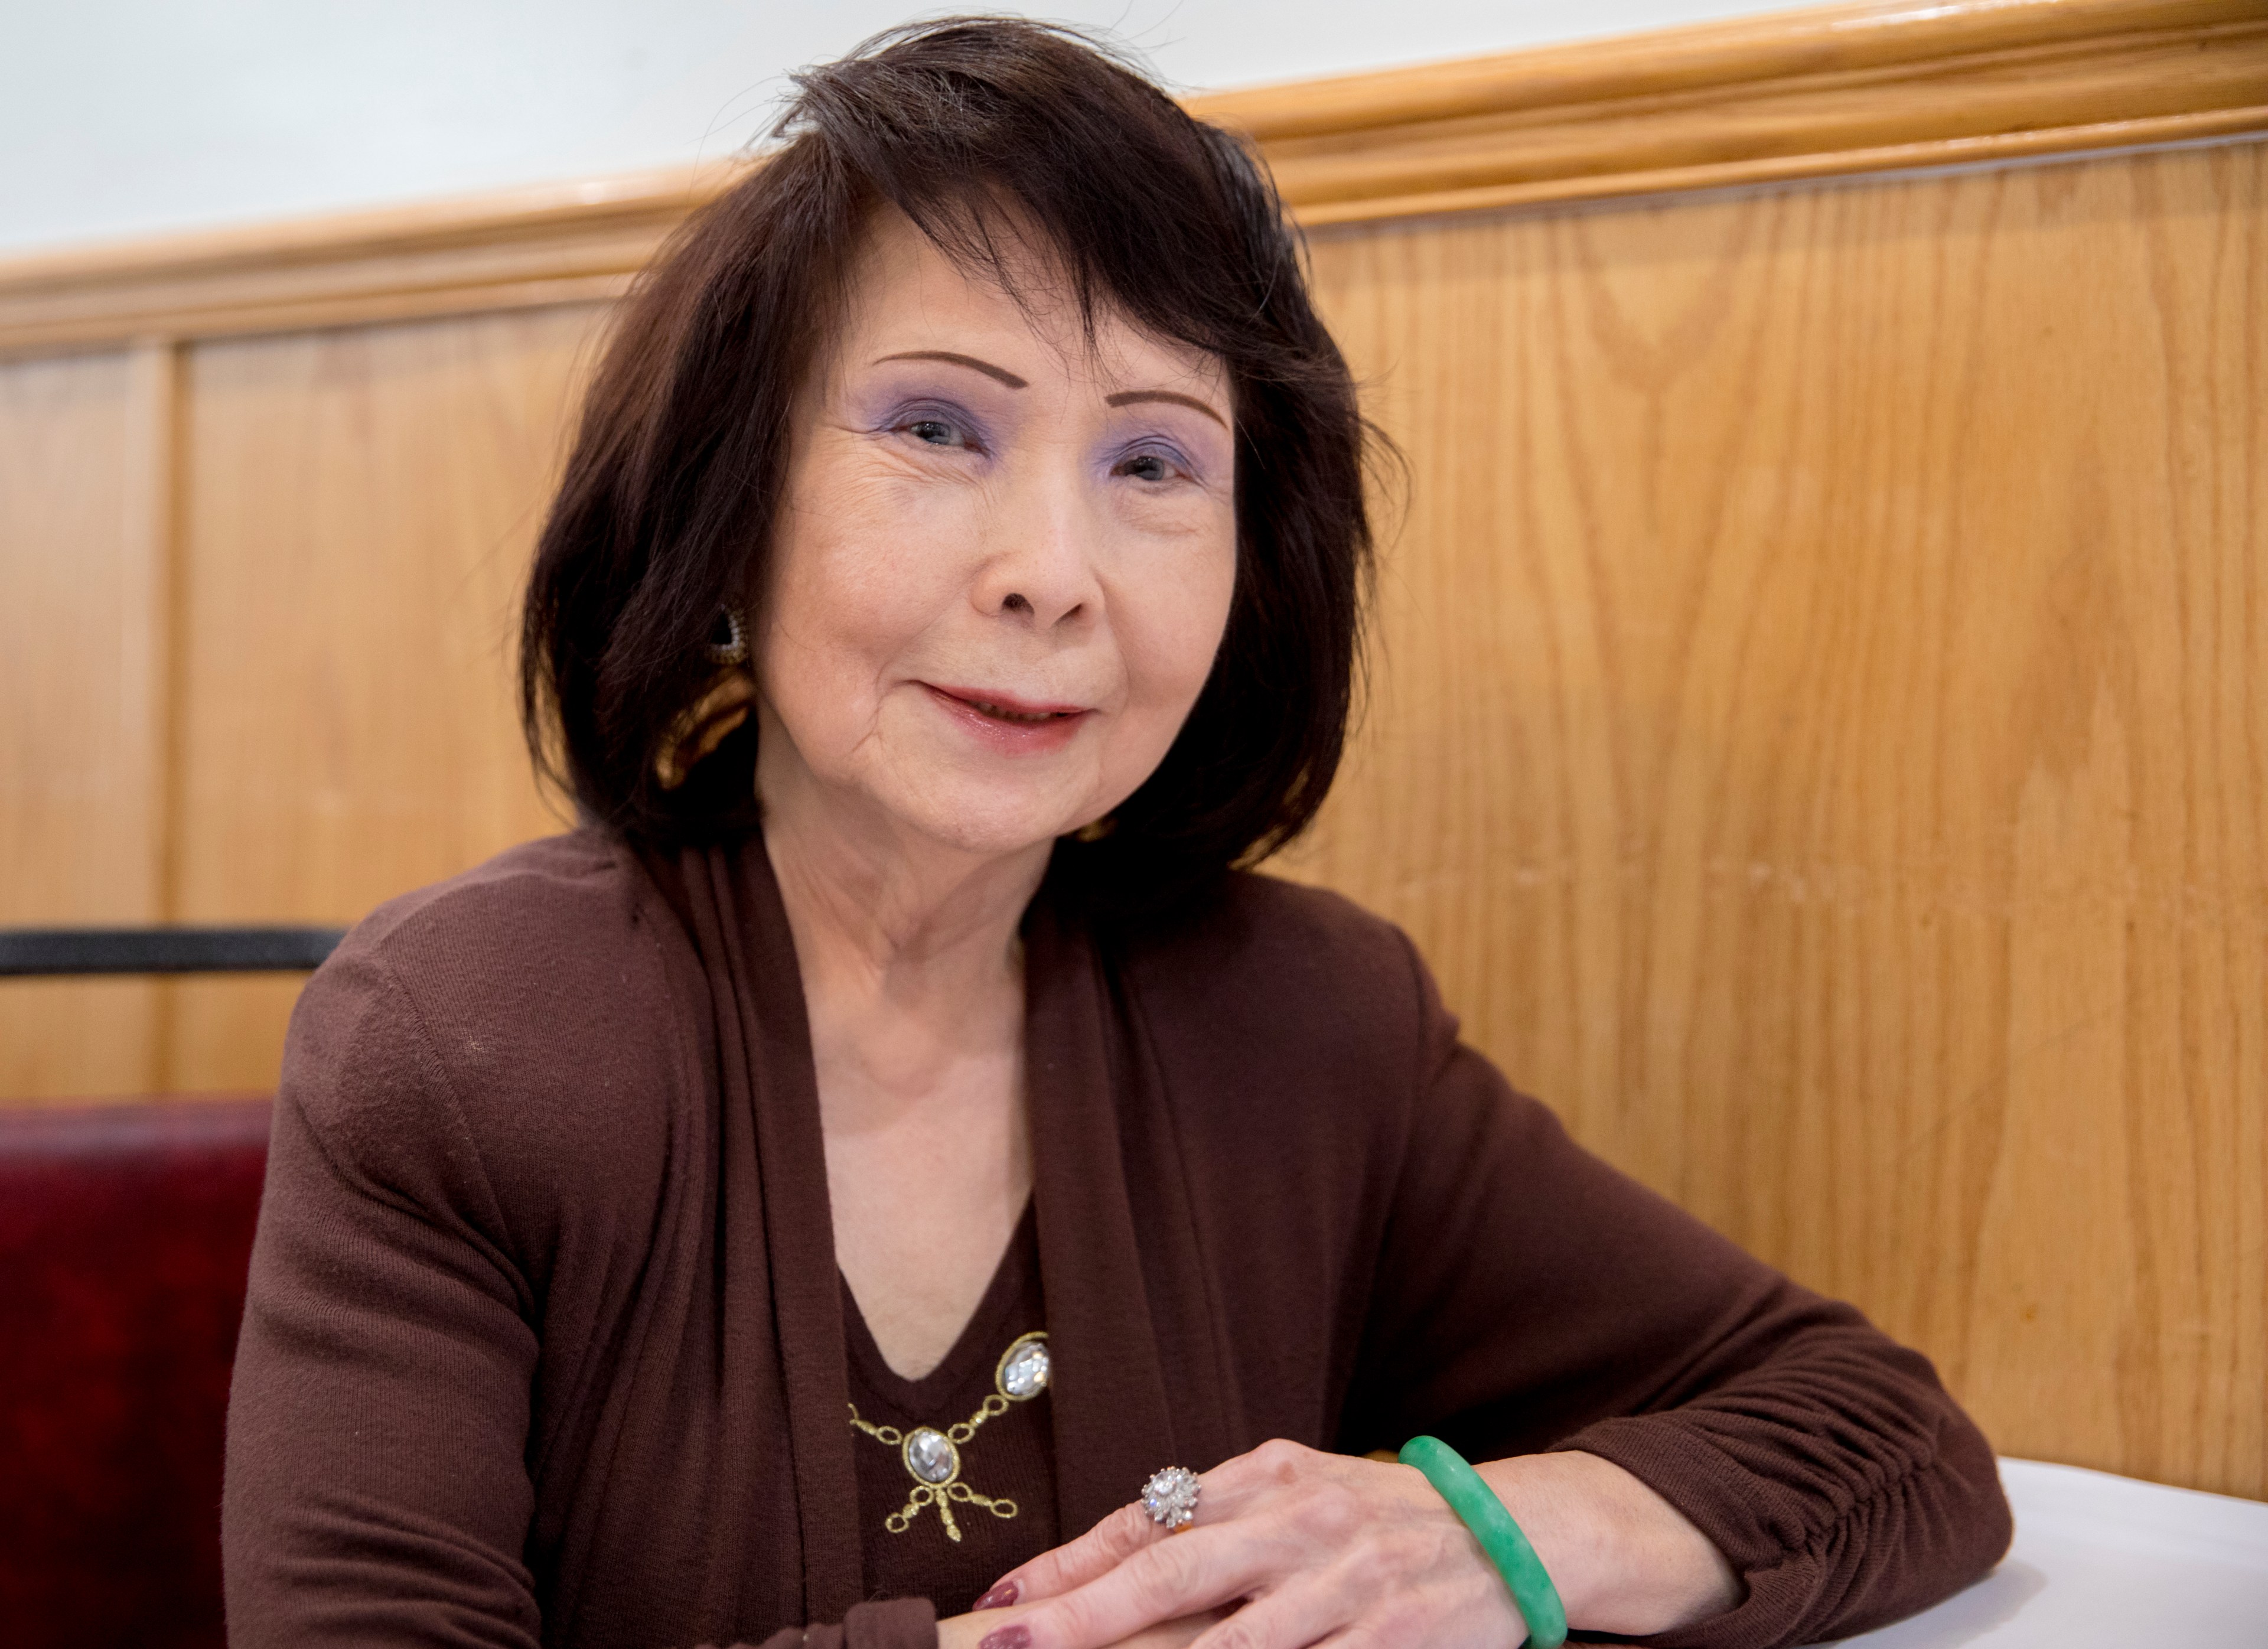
<point>1170,1498</point>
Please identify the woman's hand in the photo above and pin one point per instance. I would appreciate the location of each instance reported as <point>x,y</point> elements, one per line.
<point>1306,1546</point>
<point>968,1631</point>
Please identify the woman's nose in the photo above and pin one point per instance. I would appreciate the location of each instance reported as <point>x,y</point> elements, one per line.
<point>1041,562</point>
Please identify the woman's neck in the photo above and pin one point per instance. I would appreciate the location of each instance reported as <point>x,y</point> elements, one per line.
<point>908,947</point>
<point>913,923</point>
<point>912,976</point>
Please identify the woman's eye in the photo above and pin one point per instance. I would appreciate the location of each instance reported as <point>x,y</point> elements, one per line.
<point>1146,466</point>
<point>935,432</point>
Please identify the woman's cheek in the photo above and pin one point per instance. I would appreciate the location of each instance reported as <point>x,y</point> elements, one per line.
<point>1201,596</point>
<point>894,561</point>
<point>1170,630</point>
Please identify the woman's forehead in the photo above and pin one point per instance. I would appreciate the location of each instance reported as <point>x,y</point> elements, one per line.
<point>909,295</point>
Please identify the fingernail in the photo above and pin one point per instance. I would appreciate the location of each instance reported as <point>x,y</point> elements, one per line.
<point>1017,1637</point>
<point>1003,1593</point>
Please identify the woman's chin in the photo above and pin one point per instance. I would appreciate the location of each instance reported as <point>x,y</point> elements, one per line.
<point>987,824</point>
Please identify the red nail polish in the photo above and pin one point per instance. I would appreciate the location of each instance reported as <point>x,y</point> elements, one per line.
<point>1003,1593</point>
<point>1016,1637</point>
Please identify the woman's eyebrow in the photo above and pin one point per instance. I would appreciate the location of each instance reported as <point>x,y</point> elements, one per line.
<point>985,367</point>
<point>1128,397</point>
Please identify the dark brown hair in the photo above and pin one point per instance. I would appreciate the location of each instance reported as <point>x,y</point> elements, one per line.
<point>967,125</point>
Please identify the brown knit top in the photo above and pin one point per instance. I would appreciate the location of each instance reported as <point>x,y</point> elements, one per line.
<point>546,1342</point>
<point>1008,1460</point>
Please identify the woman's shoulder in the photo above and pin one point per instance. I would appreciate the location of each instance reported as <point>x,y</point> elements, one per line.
<point>521,1012</point>
<point>539,941</point>
<point>581,885</point>
<point>1290,976</point>
<point>1268,935</point>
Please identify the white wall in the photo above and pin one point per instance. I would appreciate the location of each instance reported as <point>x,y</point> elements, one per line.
<point>121,117</point>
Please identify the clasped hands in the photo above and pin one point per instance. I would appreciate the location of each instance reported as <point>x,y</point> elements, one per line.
<point>1293,1546</point>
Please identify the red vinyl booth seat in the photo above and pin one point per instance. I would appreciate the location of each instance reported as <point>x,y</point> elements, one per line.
<point>125,1234</point>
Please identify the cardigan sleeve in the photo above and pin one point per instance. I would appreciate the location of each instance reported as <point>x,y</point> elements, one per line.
<point>1529,1296</point>
<point>377,1487</point>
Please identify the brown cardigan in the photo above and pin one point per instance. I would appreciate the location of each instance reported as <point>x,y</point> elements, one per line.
<point>545,1344</point>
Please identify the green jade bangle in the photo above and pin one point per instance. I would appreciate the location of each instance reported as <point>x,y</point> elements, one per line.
<point>1476,1504</point>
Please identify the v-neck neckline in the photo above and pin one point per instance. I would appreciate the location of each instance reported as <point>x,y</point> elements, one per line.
<point>1111,1418</point>
<point>972,1350</point>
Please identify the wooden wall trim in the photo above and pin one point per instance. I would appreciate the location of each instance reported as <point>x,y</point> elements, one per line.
<point>521,248</point>
<point>1806,94</point>
<point>1849,89</point>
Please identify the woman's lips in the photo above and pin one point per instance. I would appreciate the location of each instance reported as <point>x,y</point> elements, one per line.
<point>1005,722</point>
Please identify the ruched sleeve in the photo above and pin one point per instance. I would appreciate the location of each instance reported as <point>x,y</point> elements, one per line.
<point>1530,1297</point>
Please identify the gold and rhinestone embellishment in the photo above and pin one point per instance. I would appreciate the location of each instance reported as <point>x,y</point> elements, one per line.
<point>932,1458</point>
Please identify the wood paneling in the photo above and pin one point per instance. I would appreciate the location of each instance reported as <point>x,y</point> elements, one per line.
<point>1876,85</point>
<point>85,486</point>
<point>1882,86</point>
<point>567,243</point>
<point>1821,739</point>
<point>359,508</point>
<point>1821,720</point>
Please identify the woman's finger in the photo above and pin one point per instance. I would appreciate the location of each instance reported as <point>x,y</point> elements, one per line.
<point>1183,1574</point>
<point>1174,1634</point>
<point>1224,1492</point>
<point>1073,1563</point>
<point>1296,1616</point>
<point>1230,1490</point>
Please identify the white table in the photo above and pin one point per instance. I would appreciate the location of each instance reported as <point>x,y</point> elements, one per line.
<point>2107,1560</point>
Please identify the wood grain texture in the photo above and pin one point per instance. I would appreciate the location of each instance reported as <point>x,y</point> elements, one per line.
<point>86,486</point>
<point>1821,739</point>
<point>571,243</point>
<point>360,506</point>
<point>1821,733</point>
<point>1866,37</point>
<point>1881,85</point>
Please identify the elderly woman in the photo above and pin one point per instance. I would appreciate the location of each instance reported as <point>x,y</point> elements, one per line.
<point>894,1176</point>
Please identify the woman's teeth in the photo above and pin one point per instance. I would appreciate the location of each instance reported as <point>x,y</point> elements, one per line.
<point>998,714</point>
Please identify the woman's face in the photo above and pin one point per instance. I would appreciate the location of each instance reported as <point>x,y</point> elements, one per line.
<point>1004,561</point>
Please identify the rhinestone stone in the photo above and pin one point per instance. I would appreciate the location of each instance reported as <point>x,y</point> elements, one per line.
<point>1024,1373</point>
<point>930,1456</point>
<point>1170,1498</point>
